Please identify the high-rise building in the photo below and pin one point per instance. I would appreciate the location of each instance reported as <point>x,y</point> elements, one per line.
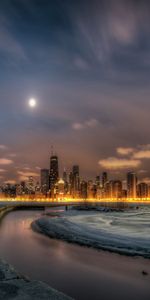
<point>104,179</point>
<point>97,181</point>
<point>70,183</point>
<point>142,190</point>
<point>108,192</point>
<point>131,185</point>
<point>75,170</point>
<point>148,191</point>
<point>54,171</point>
<point>61,187</point>
<point>76,180</point>
<point>117,189</point>
<point>65,175</point>
<point>83,189</point>
<point>44,181</point>
<point>31,185</point>
<point>65,179</point>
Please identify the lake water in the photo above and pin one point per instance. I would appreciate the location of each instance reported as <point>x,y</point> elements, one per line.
<point>77,271</point>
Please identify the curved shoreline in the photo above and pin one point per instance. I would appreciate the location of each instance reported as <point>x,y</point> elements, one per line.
<point>76,266</point>
<point>67,234</point>
<point>5,210</point>
<point>14,284</point>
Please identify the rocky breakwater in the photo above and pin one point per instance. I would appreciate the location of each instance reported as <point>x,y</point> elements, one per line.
<point>17,287</point>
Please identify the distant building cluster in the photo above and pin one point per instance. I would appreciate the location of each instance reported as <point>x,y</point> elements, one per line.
<point>71,185</point>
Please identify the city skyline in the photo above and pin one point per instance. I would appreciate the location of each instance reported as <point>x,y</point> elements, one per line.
<point>88,70</point>
<point>52,183</point>
<point>116,167</point>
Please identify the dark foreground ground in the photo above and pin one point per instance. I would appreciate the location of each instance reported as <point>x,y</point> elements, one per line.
<point>17,287</point>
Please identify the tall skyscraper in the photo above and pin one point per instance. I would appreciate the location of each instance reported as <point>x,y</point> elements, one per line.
<point>76,179</point>
<point>75,170</point>
<point>142,190</point>
<point>65,179</point>
<point>31,185</point>
<point>131,185</point>
<point>117,189</point>
<point>84,189</point>
<point>61,187</point>
<point>44,181</point>
<point>104,179</point>
<point>54,171</point>
<point>70,183</point>
<point>65,175</point>
<point>97,181</point>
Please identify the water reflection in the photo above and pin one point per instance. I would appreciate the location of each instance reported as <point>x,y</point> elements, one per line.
<point>79,272</point>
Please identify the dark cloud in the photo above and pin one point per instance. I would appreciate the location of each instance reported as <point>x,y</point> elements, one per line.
<point>88,65</point>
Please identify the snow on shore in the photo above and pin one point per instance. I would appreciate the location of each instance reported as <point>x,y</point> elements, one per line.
<point>125,233</point>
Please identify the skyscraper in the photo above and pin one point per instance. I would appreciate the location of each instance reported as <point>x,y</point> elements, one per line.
<point>131,185</point>
<point>54,171</point>
<point>142,190</point>
<point>65,175</point>
<point>104,179</point>
<point>44,181</point>
<point>70,183</point>
<point>61,187</point>
<point>31,185</point>
<point>75,170</point>
<point>117,189</point>
<point>83,189</point>
<point>97,181</point>
<point>76,179</point>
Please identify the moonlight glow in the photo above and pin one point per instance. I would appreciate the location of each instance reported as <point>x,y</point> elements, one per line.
<point>32,102</point>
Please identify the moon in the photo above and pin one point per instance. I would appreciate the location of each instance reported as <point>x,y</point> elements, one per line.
<point>32,102</point>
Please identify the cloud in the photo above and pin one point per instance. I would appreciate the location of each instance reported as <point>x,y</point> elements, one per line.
<point>134,160</point>
<point>111,27</point>
<point>113,163</point>
<point>146,180</point>
<point>91,123</point>
<point>81,63</point>
<point>77,126</point>
<point>3,147</point>
<point>8,43</point>
<point>123,26</point>
<point>124,151</point>
<point>142,171</point>
<point>10,181</point>
<point>143,154</point>
<point>140,152</point>
<point>5,161</point>
<point>12,155</point>
<point>24,175</point>
<point>2,170</point>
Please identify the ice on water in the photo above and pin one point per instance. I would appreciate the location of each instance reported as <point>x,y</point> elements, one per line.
<point>127,231</point>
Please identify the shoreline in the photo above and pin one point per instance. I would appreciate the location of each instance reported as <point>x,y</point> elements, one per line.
<point>61,229</point>
<point>97,272</point>
<point>16,285</point>
<point>35,227</point>
<point>125,269</point>
<point>4,211</point>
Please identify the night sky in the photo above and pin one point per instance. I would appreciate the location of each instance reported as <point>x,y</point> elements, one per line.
<point>87,63</point>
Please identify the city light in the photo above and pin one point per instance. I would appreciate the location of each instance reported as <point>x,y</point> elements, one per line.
<point>72,189</point>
